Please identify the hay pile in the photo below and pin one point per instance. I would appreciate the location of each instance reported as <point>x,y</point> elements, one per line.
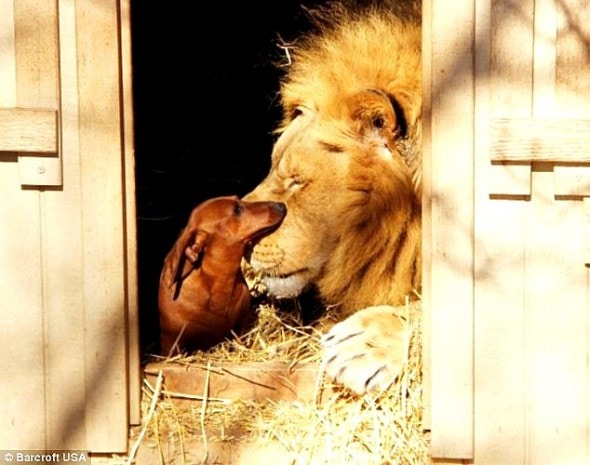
<point>339,428</point>
<point>277,336</point>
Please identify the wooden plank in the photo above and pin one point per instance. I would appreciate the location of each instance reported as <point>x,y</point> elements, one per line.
<point>544,58</point>
<point>257,381</point>
<point>22,379</point>
<point>573,59</point>
<point>586,253</point>
<point>36,56</point>
<point>499,264</point>
<point>7,55</point>
<point>28,131</point>
<point>499,326</point>
<point>573,100</point>
<point>556,328</point>
<point>22,385</point>
<point>572,90</point>
<point>37,87</point>
<point>452,229</point>
<point>63,273</point>
<point>511,71</point>
<point>427,233</point>
<point>557,342</point>
<point>509,78</point>
<point>503,87</point>
<point>571,181</point>
<point>135,376</point>
<point>103,254</point>
<point>508,179</point>
<point>540,140</point>
<point>40,171</point>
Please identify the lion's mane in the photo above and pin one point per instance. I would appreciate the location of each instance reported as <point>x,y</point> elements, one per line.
<point>357,45</point>
<point>370,52</point>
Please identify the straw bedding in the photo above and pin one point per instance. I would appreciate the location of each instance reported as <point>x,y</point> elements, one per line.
<point>337,428</point>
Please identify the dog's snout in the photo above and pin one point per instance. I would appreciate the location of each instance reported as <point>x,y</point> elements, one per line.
<point>280,207</point>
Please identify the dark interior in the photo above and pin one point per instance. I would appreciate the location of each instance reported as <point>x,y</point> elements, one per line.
<point>206,77</point>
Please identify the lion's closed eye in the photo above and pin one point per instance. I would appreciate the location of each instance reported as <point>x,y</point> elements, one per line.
<point>295,111</point>
<point>332,148</point>
<point>293,183</point>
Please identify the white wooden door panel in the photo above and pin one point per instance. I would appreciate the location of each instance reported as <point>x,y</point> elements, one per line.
<point>66,242</point>
<point>531,232</point>
<point>536,343</point>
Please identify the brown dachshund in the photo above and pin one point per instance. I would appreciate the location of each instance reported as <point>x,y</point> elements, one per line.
<point>203,295</point>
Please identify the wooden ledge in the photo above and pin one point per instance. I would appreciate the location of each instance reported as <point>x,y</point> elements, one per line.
<point>260,381</point>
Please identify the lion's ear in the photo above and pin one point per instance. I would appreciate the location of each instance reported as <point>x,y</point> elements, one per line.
<point>376,112</point>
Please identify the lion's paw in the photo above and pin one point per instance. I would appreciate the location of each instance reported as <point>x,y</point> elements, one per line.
<point>366,351</point>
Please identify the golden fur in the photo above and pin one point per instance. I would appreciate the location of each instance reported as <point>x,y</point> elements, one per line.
<point>347,163</point>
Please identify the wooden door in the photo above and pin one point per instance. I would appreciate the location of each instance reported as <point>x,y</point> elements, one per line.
<point>69,362</point>
<point>508,89</point>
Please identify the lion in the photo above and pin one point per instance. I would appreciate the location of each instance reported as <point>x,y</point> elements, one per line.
<point>347,164</point>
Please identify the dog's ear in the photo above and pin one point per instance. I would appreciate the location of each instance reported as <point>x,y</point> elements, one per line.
<point>187,253</point>
<point>193,250</point>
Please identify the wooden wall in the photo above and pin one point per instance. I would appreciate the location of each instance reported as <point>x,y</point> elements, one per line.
<point>66,226</point>
<point>508,126</point>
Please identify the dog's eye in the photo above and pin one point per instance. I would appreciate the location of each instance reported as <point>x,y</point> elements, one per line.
<point>238,209</point>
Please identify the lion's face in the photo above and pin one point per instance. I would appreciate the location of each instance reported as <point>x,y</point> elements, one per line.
<point>337,169</point>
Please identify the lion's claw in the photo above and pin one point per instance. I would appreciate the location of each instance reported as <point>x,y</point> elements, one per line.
<point>366,351</point>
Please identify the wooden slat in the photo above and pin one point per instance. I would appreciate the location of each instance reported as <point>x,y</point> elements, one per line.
<point>509,78</point>
<point>499,346</point>
<point>63,274</point>
<point>508,179</point>
<point>7,55</point>
<point>135,375</point>
<point>557,342</point>
<point>573,59</point>
<point>37,62</point>
<point>260,381</point>
<point>556,328</point>
<point>426,213</point>
<point>22,377</point>
<point>573,100</point>
<point>103,253</point>
<point>37,87</point>
<point>572,181</point>
<point>511,54</point>
<point>540,140</point>
<point>586,254</point>
<point>28,131</point>
<point>451,298</point>
<point>503,86</point>
<point>544,58</point>
<point>36,54</point>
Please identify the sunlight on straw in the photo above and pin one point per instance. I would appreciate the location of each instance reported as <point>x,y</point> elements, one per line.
<point>151,411</point>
